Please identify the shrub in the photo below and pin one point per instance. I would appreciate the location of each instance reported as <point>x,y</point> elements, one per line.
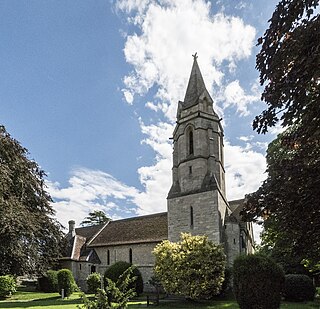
<point>298,288</point>
<point>116,294</point>
<point>227,283</point>
<point>257,282</point>
<point>7,286</point>
<point>117,269</point>
<point>94,283</point>
<point>49,282</point>
<point>193,267</point>
<point>66,282</point>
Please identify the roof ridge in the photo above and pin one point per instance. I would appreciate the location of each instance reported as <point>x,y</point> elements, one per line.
<point>139,217</point>
<point>98,232</point>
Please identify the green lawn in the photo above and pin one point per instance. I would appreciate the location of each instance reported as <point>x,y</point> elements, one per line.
<point>25,298</point>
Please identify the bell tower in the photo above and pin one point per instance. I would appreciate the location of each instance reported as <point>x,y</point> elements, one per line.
<point>197,200</point>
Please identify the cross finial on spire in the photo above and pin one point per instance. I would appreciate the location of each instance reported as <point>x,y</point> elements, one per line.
<point>195,56</point>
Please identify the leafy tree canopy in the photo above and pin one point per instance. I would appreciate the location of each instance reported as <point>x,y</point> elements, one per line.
<point>193,267</point>
<point>288,200</point>
<point>30,238</point>
<point>95,218</point>
<point>289,65</point>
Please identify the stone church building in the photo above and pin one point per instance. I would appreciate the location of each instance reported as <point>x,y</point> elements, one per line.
<point>196,202</point>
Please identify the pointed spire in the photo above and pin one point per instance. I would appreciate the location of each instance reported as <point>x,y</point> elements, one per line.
<point>196,85</point>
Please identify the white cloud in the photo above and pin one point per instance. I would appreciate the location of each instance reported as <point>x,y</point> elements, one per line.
<point>88,190</point>
<point>234,95</point>
<point>244,171</point>
<point>128,96</point>
<point>246,138</point>
<point>170,32</point>
<point>156,179</point>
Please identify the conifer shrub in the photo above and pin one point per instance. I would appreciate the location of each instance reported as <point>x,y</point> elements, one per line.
<point>257,282</point>
<point>66,282</point>
<point>7,286</point>
<point>48,282</point>
<point>298,288</point>
<point>93,283</point>
<point>117,269</point>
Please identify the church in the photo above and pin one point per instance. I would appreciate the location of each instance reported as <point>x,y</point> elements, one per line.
<point>196,202</point>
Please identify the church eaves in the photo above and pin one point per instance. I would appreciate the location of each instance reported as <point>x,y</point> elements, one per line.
<point>196,86</point>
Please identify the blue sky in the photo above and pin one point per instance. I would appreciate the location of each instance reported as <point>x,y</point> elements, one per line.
<point>91,89</point>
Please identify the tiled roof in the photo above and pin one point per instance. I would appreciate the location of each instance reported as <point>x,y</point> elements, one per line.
<point>133,230</point>
<point>89,231</point>
<point>236,206</point>
<point>79,242</point>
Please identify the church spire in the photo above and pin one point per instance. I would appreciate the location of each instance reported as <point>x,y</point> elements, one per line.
<point>196,86</point>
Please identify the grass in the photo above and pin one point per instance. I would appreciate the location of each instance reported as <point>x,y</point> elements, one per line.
<point>31,299</point>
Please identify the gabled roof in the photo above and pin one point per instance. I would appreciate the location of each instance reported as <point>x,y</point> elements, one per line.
<point>89,231</point>
<point>77,247</point>
<point>196,86</point>
<point>151,228</point>
<point>236,207</point>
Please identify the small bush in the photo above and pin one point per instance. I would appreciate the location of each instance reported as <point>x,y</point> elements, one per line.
<point>94,283</point>
<point>117,269</point>
<point>49,282</point>
<point>116,294</point>
<point>7,286</point>
<point>66,282</point>
<point>257,282</point>
<point>298,288</point>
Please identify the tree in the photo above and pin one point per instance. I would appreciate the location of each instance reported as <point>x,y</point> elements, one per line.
<point>95,218</point>
<point>30,238</point>
<point>289,65</point>
<point>193,267</point>
<point>288,200</point>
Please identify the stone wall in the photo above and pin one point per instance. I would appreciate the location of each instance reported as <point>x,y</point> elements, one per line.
<point>206,218</point>
<point>232,244</point>
<point>142,257</point>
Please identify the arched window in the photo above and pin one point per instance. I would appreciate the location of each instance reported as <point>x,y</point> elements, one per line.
<point>191,216</point>
<point>190,142</point>
<point>108,257</point>
<point>93,269</point>
<point>130,256</point>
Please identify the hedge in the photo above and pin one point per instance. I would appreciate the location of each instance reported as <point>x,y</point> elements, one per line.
<point>298,288</point>
<point>257,282</point>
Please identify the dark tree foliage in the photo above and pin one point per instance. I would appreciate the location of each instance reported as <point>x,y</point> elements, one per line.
<point>298,288</point>
<point>257,282</point>
<point>289,65</point>
<point>30,237</point>
<point>95,218</point>
<point>288,200</point>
